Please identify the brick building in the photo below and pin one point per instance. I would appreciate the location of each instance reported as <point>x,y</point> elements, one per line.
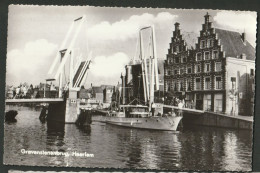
<point>216,75</point>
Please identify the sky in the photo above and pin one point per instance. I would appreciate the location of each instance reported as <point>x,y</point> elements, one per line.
<point>110,35</point>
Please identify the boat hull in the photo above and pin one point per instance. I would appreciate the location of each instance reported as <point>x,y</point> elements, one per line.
<point>169,123</point>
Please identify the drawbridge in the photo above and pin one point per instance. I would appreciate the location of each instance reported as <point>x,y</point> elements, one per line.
<point>65,58</point>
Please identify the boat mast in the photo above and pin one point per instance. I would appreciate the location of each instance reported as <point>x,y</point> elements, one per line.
<point>151,81</point>
<point>143,63</point>
<point>155,59</point>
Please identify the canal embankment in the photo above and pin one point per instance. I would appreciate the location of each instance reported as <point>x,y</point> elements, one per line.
<point>218,120</point>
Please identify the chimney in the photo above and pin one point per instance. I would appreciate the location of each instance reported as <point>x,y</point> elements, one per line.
<point>91,85</point>
<point>207,18</point>
<point>243,56</point>
<point>177,26</point>
<point>243,36</point>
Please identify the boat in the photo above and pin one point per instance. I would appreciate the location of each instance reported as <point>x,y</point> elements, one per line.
<point>137,108</point>
<point>136,116</point>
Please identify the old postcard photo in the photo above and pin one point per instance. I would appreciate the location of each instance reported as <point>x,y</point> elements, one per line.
<point>134,88</point>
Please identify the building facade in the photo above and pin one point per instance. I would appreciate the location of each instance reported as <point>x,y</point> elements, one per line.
<point>215,75</point>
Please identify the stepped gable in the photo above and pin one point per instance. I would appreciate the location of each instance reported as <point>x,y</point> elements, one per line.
<point>234,45</point>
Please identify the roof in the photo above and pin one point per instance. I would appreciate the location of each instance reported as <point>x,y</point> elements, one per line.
<point>233,44</point>
<point>97,89</point>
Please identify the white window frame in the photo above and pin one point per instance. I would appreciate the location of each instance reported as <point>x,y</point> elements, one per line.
<point>178,72</point>
<point>213,54</point>
<point>205,55</point>
<point>188,70</point>
<point>196,83</point>
<point>202,45</point>
<point>221,82</point>
<point>216,66</point>
<point>181,81</point>
<point>197,56</point>
<point>205,70</point>
<point>187,84</point>
<point>196,68</point>
<point>205,83</point>
<point>208,43</point>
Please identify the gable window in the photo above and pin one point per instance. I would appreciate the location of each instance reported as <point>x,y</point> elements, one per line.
<point>176,59</point>
<point>208,43</point>
<point>218,66</point>
<point>189,70</point>
<point>197,84</point>
<point>211,42</point>
<point>207,67</point>
<point>183,59</point>
<point>215,54</point>
<point>202,44</point>
<point>175,72</point>
<point>181,70</point>
<point>207,83</point>
<point>177,49</point>
<point>218,82</point>
<point>207,55</point>
<point>169,72</point>
<point>198,70</point>
<point>198,56</point>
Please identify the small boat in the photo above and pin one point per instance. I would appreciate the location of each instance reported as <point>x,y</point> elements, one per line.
<point>10,116</point>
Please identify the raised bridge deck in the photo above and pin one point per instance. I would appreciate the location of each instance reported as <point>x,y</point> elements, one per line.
<point>38,100</point>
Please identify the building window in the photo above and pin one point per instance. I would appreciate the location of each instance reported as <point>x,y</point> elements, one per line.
<point>176,59</point>
<point>211,43</point>
<point>252,72</point>
<point>189,70</point>
<point>207,67</point>
<point>188,84</point>
<point>207,83</point>
<point>198,70</point>
<point>183,59</point>
<point>218,66</point>
<point>181,85</point>
<point>169,72</point>
<point>207,102</point>
<point>218,102</point>
<point>198,56</point>
<point>233,82</point>
<point>197,83</point>
<point>202,44</point>
<point>175,72</point>
<point>181,70</point>
<point>175,86</point>
<point>215,54</point>
<point>208,43</point>
<point>177,49</point>
<point>207,57</point>
<point>218,82</point>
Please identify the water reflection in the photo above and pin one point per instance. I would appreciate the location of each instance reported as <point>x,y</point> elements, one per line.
<point>193,148</point>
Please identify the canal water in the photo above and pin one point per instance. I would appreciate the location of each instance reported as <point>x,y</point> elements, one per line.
<point>192,148</point>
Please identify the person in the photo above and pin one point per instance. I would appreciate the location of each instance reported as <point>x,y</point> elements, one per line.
<point>153,108</point>
<point>180,106</point>
<point>192,104</point>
